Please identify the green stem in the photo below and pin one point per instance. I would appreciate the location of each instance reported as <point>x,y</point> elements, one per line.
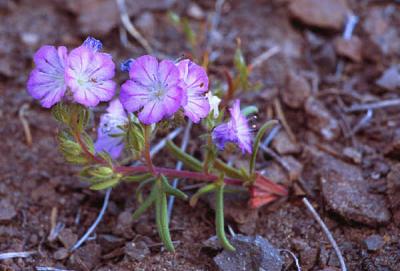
<point>146,154</point>
<point>219,219</point>
<point>188,160</point>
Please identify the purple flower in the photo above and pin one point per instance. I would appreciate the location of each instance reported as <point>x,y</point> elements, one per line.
<point>89,74</point>
<point>107,139</point>
<point>194,82</point>
<point>153,88</point>
<point>46,82</point>
<point>236,130</point>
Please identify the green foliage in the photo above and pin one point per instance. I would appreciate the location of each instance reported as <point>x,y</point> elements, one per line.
<point>134,136</point>
<point>219,218</point>
<point>242,77</point>
<point>204,190</point>
<point>158,197</point>
<point>267,125</point>
<point>72,115</point>
<point>249,110</point>
<point>100,177</point>
<point>71,150</point>
<point>188,160</point>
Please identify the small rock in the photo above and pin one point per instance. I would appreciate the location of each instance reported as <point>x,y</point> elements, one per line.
<point>352,154</point>
<point>347,192</point>
<point>110,242</point>
<point>67,237</point>
<point>321,120</point>
<point>30,39</point>
<point>284,145</point>
<point>137,250</point>
<point>350,48</point>
<point>308,255</point>
<point>124,224</point>
<point>252,253</point>
<point>393,186</point>
<point>293,166</point>
<point>61,254</point>
<point>146,23</point>
<point>195,11</point>
<point>85,258</point>
<point>7,211</point>
<point>275,172</point>
<point>374,242</point>
<point>330,14</point>
<point>297,90</point>
<point>390,79</point>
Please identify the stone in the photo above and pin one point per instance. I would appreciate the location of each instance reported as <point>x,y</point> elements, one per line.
<point>296,91</point>
<point>284,145</point>
<point>61,254</point>
<point>320,120</point>
<point>67,237</point>
<point>124,224</point>
<point>7,211</point>
<point>346,192</point>
<point>390,79</point>
<point>352,154</point>
<point>137,250</point>
<point>252,253</point>
<point>293,166</point>
<point>110,242</point>
<point>374,242</point>
<point>86,257</point>
<point>329,14</point>
<point>195,11</point>
<point>308,255</point>
<point>349,48</point>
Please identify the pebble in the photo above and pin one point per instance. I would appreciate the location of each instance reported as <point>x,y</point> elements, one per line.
<point>284,145</point>
<point>390,79</point>
<point>297,90</point>
<point>374,242</point>
<point>346,192</point>
<point>110,242</point>
<point>352,154</point>
<point>195,11</point>
<point>67,237</point>
<point>320,120</point>
<point>86,257</point>
<point>252,253</point>
<point>61,254</point>
<point>351,49</point>
<point>7,211</point>
<point>137,250</point>
<point>329,14</point>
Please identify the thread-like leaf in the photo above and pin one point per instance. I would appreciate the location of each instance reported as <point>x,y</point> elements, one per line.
<point>219,219</point>
<point>188,160</point>
<point>167,188</point>
<point>146,204</point>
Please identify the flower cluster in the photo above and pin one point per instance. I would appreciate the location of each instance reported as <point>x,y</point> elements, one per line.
<point>155,91</point>
<point>85,71</point>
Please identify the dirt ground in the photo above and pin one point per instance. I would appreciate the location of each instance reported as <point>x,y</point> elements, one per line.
<point>350,172</point>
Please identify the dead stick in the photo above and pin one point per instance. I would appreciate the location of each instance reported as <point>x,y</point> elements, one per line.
<point>327,233</point>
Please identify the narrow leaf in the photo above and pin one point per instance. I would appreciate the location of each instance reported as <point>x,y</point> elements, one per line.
<point>219,219</point>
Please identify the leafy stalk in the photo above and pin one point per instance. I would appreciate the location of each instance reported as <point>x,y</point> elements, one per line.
<point>162,218</point>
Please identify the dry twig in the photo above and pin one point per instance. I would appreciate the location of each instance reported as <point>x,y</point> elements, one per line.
<point>131,28</point>
<point>25,123</point>
<point>265,56</point>
<point>327,233</point>
<point>11,255</point>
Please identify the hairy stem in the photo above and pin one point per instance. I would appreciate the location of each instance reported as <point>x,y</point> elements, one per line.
<point>146,154</point>
<point>169,172</point>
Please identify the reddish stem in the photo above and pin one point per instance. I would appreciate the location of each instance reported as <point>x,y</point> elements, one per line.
<point>169,172</point>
